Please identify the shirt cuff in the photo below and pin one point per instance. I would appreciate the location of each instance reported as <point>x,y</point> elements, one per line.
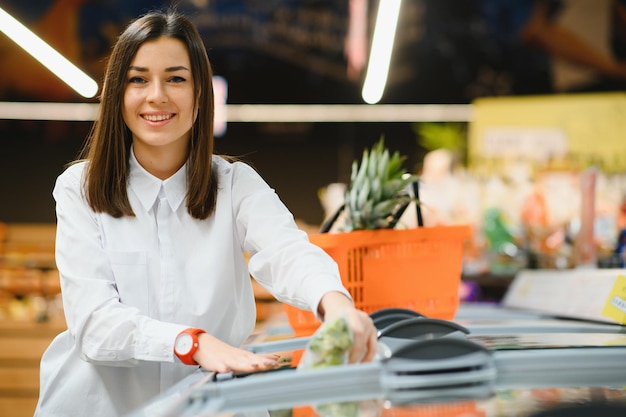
<point>323,285</point>
<point>158,342</point>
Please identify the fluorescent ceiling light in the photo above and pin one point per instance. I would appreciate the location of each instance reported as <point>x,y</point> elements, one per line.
<point>48,56</point>
<point>380,53</point>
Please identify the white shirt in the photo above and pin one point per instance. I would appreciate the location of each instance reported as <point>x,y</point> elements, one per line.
<point>131,284</point>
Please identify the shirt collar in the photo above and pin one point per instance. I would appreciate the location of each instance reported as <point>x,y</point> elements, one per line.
<point>146,186</point>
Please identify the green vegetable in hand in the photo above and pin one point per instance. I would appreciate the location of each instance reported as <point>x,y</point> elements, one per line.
<point>329,346</point>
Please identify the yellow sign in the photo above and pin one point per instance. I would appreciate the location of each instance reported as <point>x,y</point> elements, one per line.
<point>615,306</point>
<point>582,129</point>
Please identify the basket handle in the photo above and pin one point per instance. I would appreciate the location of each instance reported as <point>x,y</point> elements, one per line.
<point>418,206</point>
<point>328,224</point>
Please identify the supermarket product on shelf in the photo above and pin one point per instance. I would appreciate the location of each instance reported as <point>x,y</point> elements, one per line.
<point>27,245</point>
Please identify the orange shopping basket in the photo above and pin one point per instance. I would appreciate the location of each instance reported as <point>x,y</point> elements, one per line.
<point>418,269</point>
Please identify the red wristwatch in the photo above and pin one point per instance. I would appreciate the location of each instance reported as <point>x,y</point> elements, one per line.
<point>186,345</point>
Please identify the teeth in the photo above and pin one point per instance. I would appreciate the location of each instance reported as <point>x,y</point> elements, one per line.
<point>157,118</point>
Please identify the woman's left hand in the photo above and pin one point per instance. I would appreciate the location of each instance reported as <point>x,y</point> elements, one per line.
<point>364,333</point>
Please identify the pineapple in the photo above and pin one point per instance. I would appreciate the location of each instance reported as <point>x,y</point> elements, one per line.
<point>377,194</point>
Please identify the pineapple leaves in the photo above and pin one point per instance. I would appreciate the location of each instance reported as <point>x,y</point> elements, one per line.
<point>378,189</point>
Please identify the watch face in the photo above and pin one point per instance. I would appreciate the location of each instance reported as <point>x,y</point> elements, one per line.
<point>184,343</point>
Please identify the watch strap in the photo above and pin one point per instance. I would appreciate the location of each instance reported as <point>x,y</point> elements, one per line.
<point>188,357</point>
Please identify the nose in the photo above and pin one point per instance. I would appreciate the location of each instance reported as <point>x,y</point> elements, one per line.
<point>157,93</point>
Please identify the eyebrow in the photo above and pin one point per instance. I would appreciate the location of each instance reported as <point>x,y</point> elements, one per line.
<point>168,69</point>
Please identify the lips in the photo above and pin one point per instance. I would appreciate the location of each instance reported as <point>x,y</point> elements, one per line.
<point>157,117</point>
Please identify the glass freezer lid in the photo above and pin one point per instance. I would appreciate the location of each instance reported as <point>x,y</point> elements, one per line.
<point>425,367</point>
<point>421,378</point>
<point>549,340</point>
<point>519,402</point>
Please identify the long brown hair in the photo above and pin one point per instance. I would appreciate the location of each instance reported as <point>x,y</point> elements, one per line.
<point>108,144</point>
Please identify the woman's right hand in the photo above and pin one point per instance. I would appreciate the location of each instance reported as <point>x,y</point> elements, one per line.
<point>217,356</point>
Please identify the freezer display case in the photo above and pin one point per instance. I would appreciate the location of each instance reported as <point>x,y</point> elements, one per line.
<point>523,366</point>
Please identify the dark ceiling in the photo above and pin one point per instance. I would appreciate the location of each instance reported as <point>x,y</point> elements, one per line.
<point>293,51</point>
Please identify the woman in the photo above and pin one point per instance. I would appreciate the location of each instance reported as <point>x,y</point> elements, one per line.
<point>151,232</point>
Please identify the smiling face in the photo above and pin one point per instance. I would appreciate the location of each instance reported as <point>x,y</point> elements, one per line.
<point>159,103</point>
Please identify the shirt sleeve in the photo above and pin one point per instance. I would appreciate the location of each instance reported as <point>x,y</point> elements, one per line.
<point>105,331</point>
<point>282,259</point>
